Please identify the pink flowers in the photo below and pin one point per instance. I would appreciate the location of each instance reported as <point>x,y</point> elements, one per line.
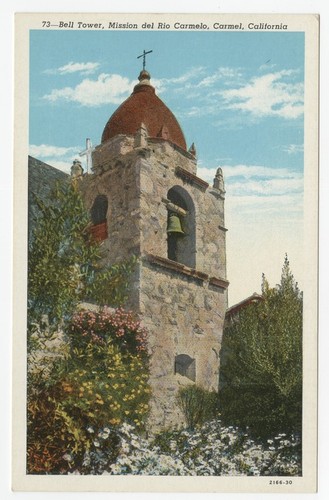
<point>118,326</point>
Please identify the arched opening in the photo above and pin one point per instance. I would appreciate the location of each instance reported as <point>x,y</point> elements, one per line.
<point>181,227</point>
<point>185,366</point>
<point>98,213</point>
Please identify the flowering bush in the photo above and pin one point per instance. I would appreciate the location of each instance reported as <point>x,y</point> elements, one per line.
<point>103,386</point>
<point>103,380</point>
<point>212,450</point>
<point>227,451</point>
<point>121,327</point>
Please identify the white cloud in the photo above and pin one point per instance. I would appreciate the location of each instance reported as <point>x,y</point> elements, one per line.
<point>191,74</point>
<point>267,187</point>
<point>224,75</point>
<point>106,89</point>
<point>46,151</point>
<point>75,67</point>
<point>72,67</point>
<point>268,95</point>
<point>259,192</point>
<point>249,171</point>
<point>267,66</point>
<point>292,149</point>
<point>56,156</point>
<point>64,166</point>
<point>274,94</point>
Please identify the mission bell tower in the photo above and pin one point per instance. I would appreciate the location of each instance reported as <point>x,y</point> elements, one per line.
<point>146,199</point>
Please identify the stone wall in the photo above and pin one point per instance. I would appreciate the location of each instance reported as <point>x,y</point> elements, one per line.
<point>182,303</point>
<point>183,315</point>
<point>160,171</point>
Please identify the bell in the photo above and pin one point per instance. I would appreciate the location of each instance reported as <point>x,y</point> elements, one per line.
<point>174,224</point>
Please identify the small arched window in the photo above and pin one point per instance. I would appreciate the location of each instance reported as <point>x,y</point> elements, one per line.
<point>98,215</point>
<point>185,366</point>
<point>98,211</point>
<point>181,245</point>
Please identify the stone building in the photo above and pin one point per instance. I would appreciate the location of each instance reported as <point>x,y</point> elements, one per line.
<point>146,199</point>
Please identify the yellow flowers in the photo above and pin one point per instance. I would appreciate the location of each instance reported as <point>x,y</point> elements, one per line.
<point>115,421</point>
<point>109,387</point>
<point>99,399</point>
<point>67,387</point>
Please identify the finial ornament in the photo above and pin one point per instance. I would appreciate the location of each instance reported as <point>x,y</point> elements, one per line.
<point>141,137</point>
<point>144,57</point>
<point>219,180</point>
<point>76,169</point>
<point>192,150</point>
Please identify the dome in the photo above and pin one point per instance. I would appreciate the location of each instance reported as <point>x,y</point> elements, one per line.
<point>144,106</point>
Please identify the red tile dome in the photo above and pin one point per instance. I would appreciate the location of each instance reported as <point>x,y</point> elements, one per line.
<point>144,106</point>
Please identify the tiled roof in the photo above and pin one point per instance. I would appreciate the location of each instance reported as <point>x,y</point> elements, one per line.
<point>144,106</point>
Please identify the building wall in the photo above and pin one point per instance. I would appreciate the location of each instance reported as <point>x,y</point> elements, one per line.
<point>183,315</point>
<point>182,305</point>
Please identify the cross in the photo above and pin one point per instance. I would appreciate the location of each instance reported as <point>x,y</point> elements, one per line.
<point>87,152</point>
<point>143,56</point>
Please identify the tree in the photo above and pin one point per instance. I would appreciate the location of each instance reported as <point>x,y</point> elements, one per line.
<point>64,264</point>
<point>261,370</point>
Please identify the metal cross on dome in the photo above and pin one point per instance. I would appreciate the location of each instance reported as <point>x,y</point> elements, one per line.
<point>144,57</point>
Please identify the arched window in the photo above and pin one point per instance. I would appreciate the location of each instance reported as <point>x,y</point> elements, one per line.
<point>98,215</point>
<point>185,366</point>
<point>181,227</point>
<point>98,211</point>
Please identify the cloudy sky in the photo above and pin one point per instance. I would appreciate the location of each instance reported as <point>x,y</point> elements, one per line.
<point>237,95</point>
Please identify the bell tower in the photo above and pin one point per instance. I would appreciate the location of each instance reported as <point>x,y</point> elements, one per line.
<point>146,199</point>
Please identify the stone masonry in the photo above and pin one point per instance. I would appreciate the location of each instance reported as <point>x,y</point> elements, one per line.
<point>182,302</point>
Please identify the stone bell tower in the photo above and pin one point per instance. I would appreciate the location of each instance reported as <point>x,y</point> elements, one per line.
<point>146,199</point>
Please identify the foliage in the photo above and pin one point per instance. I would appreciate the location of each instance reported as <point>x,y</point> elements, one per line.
<point>120,326</point>
<point>103,450</point>
<point>103,379</point>
<point>51,431</point>
<point>197,404</point>
<point>211,450</point>
<point>261,366</point>
<point>64,265</point>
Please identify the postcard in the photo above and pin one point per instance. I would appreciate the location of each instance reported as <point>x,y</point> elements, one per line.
<point>165,260</point>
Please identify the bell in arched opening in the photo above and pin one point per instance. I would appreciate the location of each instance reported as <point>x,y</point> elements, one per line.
<point>175,232</point>
<point>174,225</point>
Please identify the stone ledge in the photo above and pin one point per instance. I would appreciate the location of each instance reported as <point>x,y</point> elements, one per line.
<point>219,282</point>
<point>176,266</point>
<point>189,177</point>
<point>187,271</point>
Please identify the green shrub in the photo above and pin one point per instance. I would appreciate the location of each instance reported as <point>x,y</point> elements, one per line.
<point>197,405</point>
<point>261,362</point>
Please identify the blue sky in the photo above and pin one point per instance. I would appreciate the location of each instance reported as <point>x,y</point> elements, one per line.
<point>237,95</point>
